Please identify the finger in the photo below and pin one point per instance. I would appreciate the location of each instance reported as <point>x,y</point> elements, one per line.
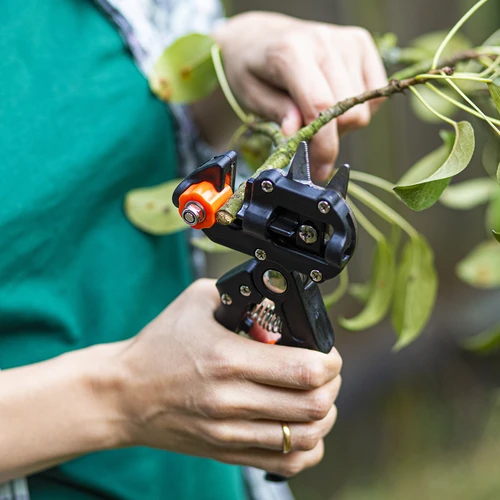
<point>273,104</point>
<point>284,366</point>
<point>347,81</point>
<point>374,73</point>
<point>272,461</point>
<point>324,149</point>
<point>265,434</point>
<point>292,68</point>
<point>259,402</point>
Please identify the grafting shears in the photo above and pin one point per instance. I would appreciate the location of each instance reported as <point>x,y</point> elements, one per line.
<point>299,235</point>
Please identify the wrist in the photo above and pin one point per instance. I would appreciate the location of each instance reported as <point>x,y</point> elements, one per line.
<point>103,379</point>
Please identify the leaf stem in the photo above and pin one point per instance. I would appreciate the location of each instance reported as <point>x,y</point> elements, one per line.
<point>458,104</point>
<point>465,98</point>
<point>332,298</point>
<point>490,67</point>
<point>381,209</point>
<point>365,223</point>
<point>455,76</point>
<point>224,84</point>
<point>373,180</point>
<point>431,109</point>
<point>454,30</point>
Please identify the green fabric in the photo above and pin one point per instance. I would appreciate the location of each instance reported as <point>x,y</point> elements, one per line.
<point>78,129</point>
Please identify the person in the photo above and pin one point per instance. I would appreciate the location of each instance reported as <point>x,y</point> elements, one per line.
<point>116,380</point>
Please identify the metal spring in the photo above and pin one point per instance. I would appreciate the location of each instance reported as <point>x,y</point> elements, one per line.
<point>263,314</point>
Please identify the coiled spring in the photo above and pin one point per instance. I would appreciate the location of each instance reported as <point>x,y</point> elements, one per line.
<point>263,314</point>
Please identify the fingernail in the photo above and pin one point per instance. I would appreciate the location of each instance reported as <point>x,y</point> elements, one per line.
<point>287,125</point>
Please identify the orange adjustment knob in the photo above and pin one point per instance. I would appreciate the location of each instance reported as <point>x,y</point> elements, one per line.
<point>200,202</point>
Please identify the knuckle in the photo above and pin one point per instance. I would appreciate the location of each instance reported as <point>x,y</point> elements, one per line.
<point>319,404</point>
<point>312,375</point>
<point>292,466</point>
<point>309,439</point>
<point>319,453</point>
<point>217,405</point>
<point>220,365</point>
<point>337,360</point>
<point>361,34</point>
<point>220,435</point>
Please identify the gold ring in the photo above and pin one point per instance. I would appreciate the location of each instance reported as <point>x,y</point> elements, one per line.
<point>287,437</point>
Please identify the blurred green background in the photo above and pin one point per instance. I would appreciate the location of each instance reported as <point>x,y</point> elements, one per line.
<point>423,423</point>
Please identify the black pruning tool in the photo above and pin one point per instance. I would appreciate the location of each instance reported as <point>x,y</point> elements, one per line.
<point>299,235</point>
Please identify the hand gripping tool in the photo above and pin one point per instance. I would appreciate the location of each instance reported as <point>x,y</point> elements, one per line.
<point>299,235</point>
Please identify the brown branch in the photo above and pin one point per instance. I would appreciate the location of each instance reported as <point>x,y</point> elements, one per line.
<point>284,152</point>
<point>425,66</point>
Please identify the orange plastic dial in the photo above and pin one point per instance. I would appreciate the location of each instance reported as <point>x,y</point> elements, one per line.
<point>208,197</point>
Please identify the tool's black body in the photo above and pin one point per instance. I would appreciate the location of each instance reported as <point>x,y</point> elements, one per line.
<point>300,235</point>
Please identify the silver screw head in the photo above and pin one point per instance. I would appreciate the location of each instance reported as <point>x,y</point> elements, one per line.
<point>193,213</point>
<point>245,290</point>
<point>324,207</point>
<point>267,186</point>
<point>226,299</point>
<point>260,254</point>
<point>308,234</point>
<point>316,275</point>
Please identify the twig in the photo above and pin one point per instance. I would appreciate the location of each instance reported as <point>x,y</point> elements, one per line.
<point>282,155</point>
<point>269,130</point>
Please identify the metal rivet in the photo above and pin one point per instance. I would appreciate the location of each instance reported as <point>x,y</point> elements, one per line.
<point>226,299</point>
<point>275,281</point>
<point>324,207</point>
<point>267,186</point>
<point>245,290</point>
<point>308,234</point>
<point>316,275</point>
<point>260,254</point>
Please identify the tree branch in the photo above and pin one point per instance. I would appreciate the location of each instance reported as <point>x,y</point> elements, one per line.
<point>285,150</point>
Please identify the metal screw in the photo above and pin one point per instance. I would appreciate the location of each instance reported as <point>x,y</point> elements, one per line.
<point>316,275</point>
<point>245,290</point>
<point>324,207</point>
<point>226,299</point>
<point>267,186</point>
<point>308,234</point>
<point>193,213</point>
<point>260,254</point>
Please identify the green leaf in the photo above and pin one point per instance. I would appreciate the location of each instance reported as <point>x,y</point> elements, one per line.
<point>415,291</point>
<point>441,105</point>
<point>421,194</point>
<point>360,291</point>
<point>496,234</point>
<point>494,89</point>
<point>485,342</point>
<point>184,72</point>
<point>481,268</point>
<point>381,288</point>
<point>469,194</point>
<point>208,246</point>
<point>151,209</point>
